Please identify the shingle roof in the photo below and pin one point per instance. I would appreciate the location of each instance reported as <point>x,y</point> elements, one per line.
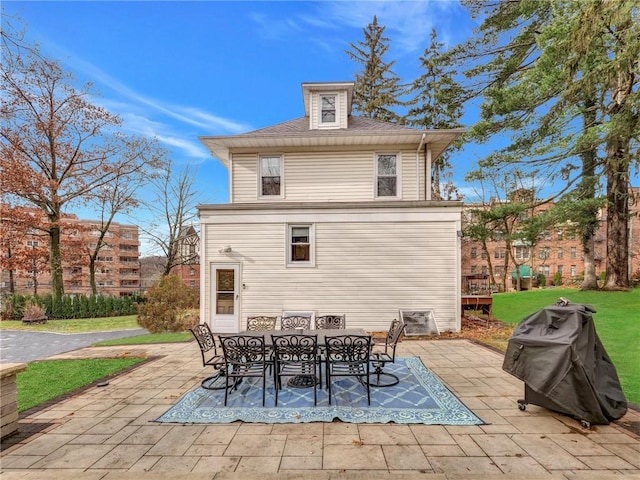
<point>356,125</point>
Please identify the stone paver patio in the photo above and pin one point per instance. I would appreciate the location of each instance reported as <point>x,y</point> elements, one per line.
<point>108,432</point>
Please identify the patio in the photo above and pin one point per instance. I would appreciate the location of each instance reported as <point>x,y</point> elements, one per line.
<point>109,432</point>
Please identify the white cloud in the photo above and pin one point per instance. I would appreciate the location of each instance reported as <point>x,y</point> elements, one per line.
<point>407,23</point>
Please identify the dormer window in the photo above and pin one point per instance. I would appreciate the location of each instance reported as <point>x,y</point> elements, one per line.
<point>328,109</point>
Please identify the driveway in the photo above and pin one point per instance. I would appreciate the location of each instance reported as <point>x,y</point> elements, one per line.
<point>18,346</point>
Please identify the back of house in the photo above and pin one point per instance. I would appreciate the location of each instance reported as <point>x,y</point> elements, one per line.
<point>330,213</point>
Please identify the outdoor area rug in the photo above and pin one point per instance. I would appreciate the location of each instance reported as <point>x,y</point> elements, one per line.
<point>419,397</point>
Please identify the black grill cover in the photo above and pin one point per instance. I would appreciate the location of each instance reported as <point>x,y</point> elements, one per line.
<point>558,355</point>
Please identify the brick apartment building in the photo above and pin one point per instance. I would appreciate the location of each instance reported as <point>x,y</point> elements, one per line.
<point>558,251</point>
<point>117,267</point>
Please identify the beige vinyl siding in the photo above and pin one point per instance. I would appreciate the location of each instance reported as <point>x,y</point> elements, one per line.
<point>245,178</point>
<point>324,176</point>
<point>365,270</point>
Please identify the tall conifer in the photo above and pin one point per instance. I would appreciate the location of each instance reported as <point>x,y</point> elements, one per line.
<point>437,104</point>
<point>377,89</point>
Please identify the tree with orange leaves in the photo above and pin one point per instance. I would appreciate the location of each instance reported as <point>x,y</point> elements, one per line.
<point>56,147</point>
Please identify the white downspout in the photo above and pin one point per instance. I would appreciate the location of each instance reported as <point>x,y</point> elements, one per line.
<point>428,173</point>
<point>422,139</point>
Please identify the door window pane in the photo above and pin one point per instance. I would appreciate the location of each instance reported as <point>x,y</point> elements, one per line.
<point>225,293</point>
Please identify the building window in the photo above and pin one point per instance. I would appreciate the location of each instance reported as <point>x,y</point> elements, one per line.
<point>386,175</point>
<point>474,252</point>
<point>483,255</point>
<point>574,252</point>
<point>32,243</point>
<point>560,254</point>
<point>573,270</point>
<point>192,272</point>
<point>192,283</point>
<point>271,176</point>
<point>560,270</point>
<point>328,114</point>
<point>560,234</point>
<point>300,247</point>
<point>500,253</point>
<point>543,253</point>
<point>522,253</point>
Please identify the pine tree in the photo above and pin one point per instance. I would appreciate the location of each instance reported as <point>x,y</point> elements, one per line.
<point>437,105</point>
<point>377,89</point>
<point>563,79</point>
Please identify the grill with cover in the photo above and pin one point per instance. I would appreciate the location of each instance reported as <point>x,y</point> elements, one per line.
<point>558,355</point>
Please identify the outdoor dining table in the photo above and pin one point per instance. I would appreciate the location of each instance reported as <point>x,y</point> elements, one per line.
<point>303,381</point>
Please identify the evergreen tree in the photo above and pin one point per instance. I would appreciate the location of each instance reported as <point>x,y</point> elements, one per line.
<point>563,78</point>
<point>377,89</point>
<point>437,105</point>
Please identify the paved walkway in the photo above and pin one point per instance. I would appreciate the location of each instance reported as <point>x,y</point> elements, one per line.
<point>108,432</point>
<point>19,346</point>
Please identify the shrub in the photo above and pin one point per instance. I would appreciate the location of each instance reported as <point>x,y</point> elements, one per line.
<point>557,279</point>
<point>166,307</point>
<point>33,312</point>
<point>542,280</point>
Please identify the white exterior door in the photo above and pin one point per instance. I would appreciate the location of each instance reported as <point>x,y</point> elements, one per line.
<point>225,298</point>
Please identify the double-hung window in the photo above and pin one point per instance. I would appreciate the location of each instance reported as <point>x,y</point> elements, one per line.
<point>328,112</point>
<point>300,245</point>
<point>387,175</point>
<point>270,176</point>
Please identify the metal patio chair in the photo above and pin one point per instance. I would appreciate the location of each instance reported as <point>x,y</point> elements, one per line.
<point>384,353</point>
<point>296,356</point>
<point>245,356</point>
<point>348,356</point>
<point>210,356</point>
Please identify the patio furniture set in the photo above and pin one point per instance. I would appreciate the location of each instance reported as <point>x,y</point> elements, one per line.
<point>297,352</point>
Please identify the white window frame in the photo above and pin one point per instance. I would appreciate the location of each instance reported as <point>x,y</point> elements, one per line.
<point>398,176</point>
<point>259,170</point>
<point>312,246</point>
<point>321,122</point>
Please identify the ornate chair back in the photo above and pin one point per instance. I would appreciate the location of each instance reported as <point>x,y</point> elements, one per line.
<point>261,323</point>
<point>293,322</point>
<point>330,322</point>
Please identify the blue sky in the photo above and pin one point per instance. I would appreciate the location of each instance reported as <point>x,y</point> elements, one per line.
<point>178,70</point>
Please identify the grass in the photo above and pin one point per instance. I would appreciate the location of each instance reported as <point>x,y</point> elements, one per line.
<point>48,379</point>
<point>169,337</point>
<point>85,325</point>
<point>82,325</point>
<point>617,323</point>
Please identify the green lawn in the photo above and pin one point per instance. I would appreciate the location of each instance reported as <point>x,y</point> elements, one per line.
<point>617,321</point>
<point>82,325</point>
<point>169,337</point>
<point>48,379</point>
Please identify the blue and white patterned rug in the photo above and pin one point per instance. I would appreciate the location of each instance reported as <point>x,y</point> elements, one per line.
<point>419,397</point>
